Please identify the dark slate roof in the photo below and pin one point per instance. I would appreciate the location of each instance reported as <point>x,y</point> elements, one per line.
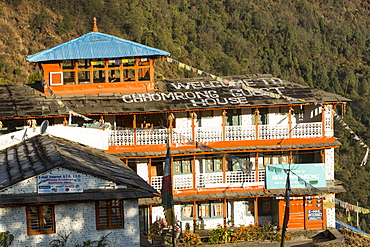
<point>96,45</point>
<point>90,195</point>
<point>41,153</point>
<point>245,194</point>
<point>171,95</point>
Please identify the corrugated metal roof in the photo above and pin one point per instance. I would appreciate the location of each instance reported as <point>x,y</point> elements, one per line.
<point>96,45</point>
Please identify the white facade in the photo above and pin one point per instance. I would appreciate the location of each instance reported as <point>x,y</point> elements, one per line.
<point>76,218</point>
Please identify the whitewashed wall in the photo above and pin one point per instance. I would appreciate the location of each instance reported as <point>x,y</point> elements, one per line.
<point>95,138</point>
<point>240,214</point>
<point>275,118</point>
<point>142,171</point>
<point>75,218</point>
<point>329,163</point>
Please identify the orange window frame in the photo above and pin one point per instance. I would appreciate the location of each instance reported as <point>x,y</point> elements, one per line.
<point>109,214</point>
<point>37,214</point>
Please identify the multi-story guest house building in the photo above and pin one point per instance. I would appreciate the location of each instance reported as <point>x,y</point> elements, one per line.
<point>232,140</point>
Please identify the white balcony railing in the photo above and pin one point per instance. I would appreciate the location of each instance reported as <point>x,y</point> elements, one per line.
<point>157,182</point>
<point>208,134</point>
<point>214,134</point>
<point>233,178</point>
<point>121,138</point>
<point>266,132</point>
<point>152,136</point>
<point>239,133</point>
<point>307,130</point>
<point>183,181</point>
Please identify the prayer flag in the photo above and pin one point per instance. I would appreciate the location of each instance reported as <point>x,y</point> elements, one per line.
<point>167,197</point>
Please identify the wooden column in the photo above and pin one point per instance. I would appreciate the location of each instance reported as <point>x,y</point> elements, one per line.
<point>224,125</point>
<point>121,74</point>
<point>194,216</point>
<point>193,116</point>
<point>91,74</point>
<point>75,72</point>
<point>256,115</point>
<point>150,172</point>
<point>150,215</point>
<point>136,69</point>
<point>322,155</point>
<point>224,168</point>
<point>323,120</point>
<point>171,117</point>
<point>256,167</point>
<point>290,121</point>
<point>151,70</point>
<point>134,127</point>
<point>193,171</point>
<point>256,211</point>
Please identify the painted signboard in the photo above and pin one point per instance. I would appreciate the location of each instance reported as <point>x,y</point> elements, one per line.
<point>63,183</point>
<point>315,214</point>
<point>301,176</point>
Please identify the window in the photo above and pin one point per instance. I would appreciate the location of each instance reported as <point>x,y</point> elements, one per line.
<point>275,158</point>
<point>203,210</point>
<point>234,117</point>
<point>187,212</point>
<point>109,214</point>
<point>182,166</point>
<point>86,71</point>
<point>210,210</point>
<point>213,164</point>
<point>40,219</point>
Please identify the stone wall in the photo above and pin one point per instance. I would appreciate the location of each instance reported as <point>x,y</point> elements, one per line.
<point>77,219</point>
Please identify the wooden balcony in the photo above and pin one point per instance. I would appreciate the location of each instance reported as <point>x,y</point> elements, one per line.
<point>214,134</point>
<point>213,180</point>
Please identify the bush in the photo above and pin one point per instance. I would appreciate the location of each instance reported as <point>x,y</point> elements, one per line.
<point>6,239</point>
<point>191,238</point>
<point>221,235</point>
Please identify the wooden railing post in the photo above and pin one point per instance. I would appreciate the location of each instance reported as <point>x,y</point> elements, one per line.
<point>171,117</point>
<point>194,172</point>
<point>224,168</point>
<point>255,210</point>
<point>290,130</point>
<point>193,116</point>
<point>135,128</point>
<point>224,114</point>
<point>323,120</point>
<point>256,115</point>
<point>256,168</point>
<point>149,171</point>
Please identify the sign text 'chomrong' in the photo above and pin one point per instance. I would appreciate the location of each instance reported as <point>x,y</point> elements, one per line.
<point>238,93</point>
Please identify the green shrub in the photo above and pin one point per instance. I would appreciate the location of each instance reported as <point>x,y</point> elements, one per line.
<point>6,239</point>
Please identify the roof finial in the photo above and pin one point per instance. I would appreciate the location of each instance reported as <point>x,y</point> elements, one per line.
<point>95,28</point>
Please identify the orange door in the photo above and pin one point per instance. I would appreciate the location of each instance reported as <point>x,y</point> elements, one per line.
<point>296,215</point>
<point>315,213</point>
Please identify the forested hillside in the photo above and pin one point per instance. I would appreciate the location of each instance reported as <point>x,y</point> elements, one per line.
<point>321,43</point>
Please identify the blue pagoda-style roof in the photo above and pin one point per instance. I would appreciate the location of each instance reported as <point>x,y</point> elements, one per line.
<point>95,45</point>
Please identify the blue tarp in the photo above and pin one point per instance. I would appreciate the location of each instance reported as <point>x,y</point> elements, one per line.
<point>341,225</point>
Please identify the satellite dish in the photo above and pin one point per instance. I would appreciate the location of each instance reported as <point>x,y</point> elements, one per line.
<point>44,126</point>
